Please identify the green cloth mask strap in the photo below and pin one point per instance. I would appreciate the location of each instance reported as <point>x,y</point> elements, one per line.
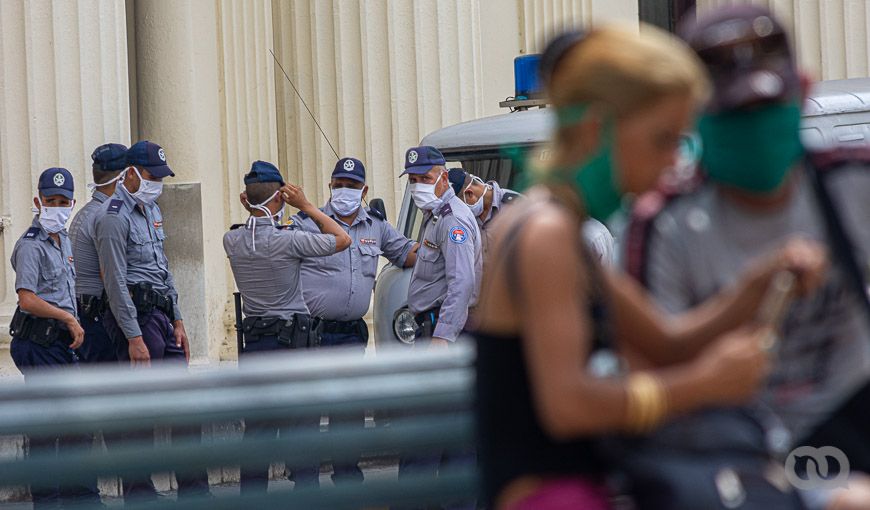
<point>594,179</point>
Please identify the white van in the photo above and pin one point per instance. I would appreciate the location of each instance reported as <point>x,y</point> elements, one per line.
<point>837,112</point>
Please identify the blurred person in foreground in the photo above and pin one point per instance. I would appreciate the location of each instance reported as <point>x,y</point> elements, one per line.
<point>622,101</point>
<point>755,191</point>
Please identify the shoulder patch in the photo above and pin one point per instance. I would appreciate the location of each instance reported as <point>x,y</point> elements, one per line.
<point>288,226</point>
<point>445,209</point>
<point>115,206</point>
<point>31,233</point>
<point>457,234</point>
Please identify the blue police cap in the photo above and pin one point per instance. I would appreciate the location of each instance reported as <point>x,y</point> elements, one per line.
<point>110,157</point>
<point>419,160</point>
<point>151,157</point>
<point>350,168</point>
<point>458,179</point>
<point>56,181</point>
<point>263,171</point>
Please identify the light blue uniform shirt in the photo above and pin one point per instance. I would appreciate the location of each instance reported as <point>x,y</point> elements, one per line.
<point>339,287</point>
<point>449,266</point>
<point>81,234</point>
<point>46,268</point>
<point>129,240</point>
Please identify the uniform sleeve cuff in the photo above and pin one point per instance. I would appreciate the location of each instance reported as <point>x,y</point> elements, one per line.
<point>132,331</point>
<point>177,313</point>
<point>446,331</point>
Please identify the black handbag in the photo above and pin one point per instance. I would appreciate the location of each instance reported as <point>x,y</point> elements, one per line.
<point>709,460</point>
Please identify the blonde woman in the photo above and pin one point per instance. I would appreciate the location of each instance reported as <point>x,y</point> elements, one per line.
<point>622,101</point>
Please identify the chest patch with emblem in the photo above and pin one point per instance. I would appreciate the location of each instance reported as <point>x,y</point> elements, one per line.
<point>429,244</point>
<point>458,234</point>
<point>70,259</point>
<point>158,224</point>
<point>368,241</point>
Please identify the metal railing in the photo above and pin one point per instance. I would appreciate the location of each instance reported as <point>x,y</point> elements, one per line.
<point>428,396</point>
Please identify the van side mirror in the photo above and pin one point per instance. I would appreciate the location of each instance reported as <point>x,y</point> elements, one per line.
<point>376,205</point>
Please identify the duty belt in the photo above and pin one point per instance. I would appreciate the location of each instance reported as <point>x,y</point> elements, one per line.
<point>37,329</point>
<point>296,332</point>
<point>341,327</point>
<point>90,306</point>
<point>146,300</point>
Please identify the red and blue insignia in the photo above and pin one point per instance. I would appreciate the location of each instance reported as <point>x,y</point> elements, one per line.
<point>458,234</point>
<point>158,224</point>
<point>70,259</point>
<point>368,241</point>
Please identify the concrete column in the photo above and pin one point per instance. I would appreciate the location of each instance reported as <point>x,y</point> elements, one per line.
<point>205,92</point>
<point>178,99</point>
<point>63,91</point>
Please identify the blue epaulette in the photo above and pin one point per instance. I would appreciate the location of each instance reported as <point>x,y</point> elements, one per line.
<point>237,225</point>
<point>31,233</point>
<point>302,215</point>
<point>115,206</point>
<point>509,196</point>
<point>445,210</point>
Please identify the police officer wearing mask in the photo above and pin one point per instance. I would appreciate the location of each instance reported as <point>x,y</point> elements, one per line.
<point>485,199</point>
<point>109,161</point>
<point>338,288</point>
<point>265,257</point>
<point>446,278</point>
<point>45,330</point>
<point>143,319</point>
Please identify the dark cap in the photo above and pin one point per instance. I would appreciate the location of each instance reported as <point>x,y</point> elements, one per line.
<point>56,181</point>
<point>459,180</point>
<point>151,157</point>
<point>349,168</point>
<point>110,157</point>
<point>419,160</point>
<point>747,54</point>
<point>262,171</point>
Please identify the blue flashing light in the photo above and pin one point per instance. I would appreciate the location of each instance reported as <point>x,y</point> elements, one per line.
<point>527,76</point>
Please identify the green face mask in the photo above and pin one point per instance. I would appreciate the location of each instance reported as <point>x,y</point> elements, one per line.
<point>752,150</point>
<point>595,178</point>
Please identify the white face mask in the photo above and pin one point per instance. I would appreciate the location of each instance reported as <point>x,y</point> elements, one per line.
<point>345,201</point>
<point>148,192</point>
<point>477,207</point>
<point>424,195</point>
<point>274,219</point>
<point>92,186</point>
<point>53,219</point>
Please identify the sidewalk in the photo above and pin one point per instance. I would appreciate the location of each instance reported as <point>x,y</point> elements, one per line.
<point>374,472</point>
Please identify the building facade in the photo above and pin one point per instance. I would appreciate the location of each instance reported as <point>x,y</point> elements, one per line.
<point>199,78</point>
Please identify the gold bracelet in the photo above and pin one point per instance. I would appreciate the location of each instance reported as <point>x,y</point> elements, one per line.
<point>646,401</point>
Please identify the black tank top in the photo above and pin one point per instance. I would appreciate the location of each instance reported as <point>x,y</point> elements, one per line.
<point>512,442</point>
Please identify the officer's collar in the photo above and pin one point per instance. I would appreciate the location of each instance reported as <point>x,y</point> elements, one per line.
<point>99,196</point>
<point>444,203</point>
<point>361,215</point>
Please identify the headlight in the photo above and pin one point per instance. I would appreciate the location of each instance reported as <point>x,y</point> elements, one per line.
<point>404,326</point>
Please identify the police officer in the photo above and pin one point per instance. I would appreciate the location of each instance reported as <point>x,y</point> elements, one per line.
<point>143,319</point>
<point>338,288</point>
<point>265,257</point>
<point>485,199</point>
<point>109,161</point>
<point>45,330</point>
<point>446,278</point>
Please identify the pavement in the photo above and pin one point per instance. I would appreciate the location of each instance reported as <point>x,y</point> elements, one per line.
<point>374,472</point>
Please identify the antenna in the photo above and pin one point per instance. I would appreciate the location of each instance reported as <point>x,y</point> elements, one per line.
<point>303,104</point>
